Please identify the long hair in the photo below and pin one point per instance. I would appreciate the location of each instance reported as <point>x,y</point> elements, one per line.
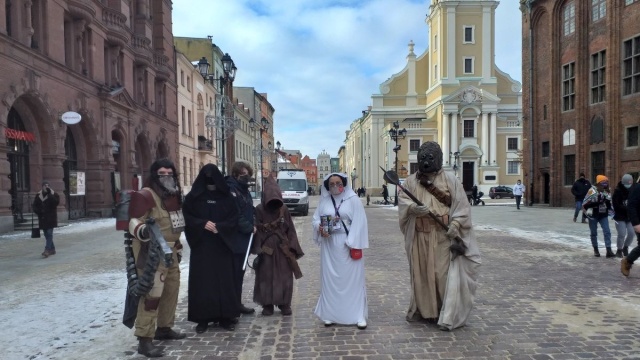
<point>153,181</point>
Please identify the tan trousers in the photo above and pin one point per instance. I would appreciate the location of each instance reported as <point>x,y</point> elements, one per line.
<point>158,307</point>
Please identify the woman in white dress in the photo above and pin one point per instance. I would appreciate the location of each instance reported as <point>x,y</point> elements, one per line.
<point>343,296</point>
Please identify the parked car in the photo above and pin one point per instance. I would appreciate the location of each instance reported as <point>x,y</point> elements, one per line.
<point>498,192</point>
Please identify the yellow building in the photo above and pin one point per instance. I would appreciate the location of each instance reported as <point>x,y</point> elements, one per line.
<point>454,94</point>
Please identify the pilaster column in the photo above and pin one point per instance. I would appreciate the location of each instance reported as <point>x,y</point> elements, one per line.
<point>485,136</point>
<point>445,137</point>
<point>454,132</point>
<point>492,144</point>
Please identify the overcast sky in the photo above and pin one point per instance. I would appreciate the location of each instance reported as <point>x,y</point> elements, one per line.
<point>319,61</point>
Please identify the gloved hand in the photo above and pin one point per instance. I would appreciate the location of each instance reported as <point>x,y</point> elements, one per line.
<point>457,248</point>
<point>49,191</point>
<point>418,210</point>
<point>454,230</point>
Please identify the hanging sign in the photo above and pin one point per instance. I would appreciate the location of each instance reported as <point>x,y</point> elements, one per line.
<point>71,118</point>
<point>19,135</point>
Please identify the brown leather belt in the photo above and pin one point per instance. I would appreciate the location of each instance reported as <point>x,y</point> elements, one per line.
<point>427,224</point>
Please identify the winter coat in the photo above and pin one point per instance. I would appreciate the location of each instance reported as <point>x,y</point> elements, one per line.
<point>619,202</point>
<point>580,188</point>
<point>45,206</point>
<point>243,199</point>
<point>595,199</point>
<point>633,205</point>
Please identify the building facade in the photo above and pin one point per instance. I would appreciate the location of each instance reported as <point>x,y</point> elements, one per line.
<point>581,76</point>
<point>453,94</point>
<point>323,162</point>
<point>311,169</point>
<point>113,64</point>
<point>195,102</point>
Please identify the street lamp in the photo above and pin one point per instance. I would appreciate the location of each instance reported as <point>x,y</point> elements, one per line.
<point>456,156</point>
<point>396,134</point>
<point>263,126</point>
<point>226,127</point>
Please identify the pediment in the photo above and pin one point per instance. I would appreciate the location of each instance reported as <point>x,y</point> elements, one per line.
<point>119,96</point>
<point>471,95</point>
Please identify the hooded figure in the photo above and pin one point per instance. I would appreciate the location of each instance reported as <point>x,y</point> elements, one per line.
<point>211,215</point>
<point>443,286</point>
<point>278,249</point>
<point>343,295</point>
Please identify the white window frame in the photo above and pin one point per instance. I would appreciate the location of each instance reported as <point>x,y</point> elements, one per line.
<point>509,161</point>
<point>464,64</point>
<point>473,34</point>
<point>517,143</point>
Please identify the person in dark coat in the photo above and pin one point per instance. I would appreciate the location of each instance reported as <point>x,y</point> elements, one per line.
<point>211,215</point>
<point>633,209</point>
<point>278,248</point>
<point>385,194</point>
<point>626,234</point>
<point>45,205</point>
<point>238,182</point>
<point>579,191</point>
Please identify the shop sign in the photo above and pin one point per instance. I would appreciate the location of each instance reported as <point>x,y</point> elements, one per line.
<point>19,135</point>
<point>71,118</point>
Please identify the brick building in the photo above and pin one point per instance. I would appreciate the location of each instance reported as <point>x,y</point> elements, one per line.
<point>584,100</point>
<point>112,62</point>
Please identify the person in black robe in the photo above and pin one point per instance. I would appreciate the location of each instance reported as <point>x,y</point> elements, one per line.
<point>211,215</point>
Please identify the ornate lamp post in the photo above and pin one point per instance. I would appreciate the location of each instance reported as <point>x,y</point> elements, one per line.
<point>263,126</point>
<point>227,124</point>
<point>396,134</point>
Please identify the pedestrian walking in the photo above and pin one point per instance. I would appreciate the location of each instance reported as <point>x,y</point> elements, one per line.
<point>443,264</point>
<point>579,190</point>
<point>211,216</point>
<point>518,191</point>
<point>633,209</point>
<point>276,243</point>
<point>45,205</point>
<point>385,194</point>
<point>340,229</point>
<point>160,199</point>
<point>596,206</point>
<point>238,182</point>
<point>624,227</point>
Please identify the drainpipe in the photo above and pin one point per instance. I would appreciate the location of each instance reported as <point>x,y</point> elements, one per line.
<point>531,142</point>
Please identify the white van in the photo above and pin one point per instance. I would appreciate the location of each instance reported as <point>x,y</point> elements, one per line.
<point>293,183</point>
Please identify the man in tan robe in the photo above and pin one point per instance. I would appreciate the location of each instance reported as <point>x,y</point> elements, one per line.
<point>443,280</point>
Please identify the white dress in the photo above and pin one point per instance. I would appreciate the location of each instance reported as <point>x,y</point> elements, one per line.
<point>343,296</point>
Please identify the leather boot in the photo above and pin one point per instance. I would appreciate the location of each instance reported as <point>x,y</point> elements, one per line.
<point>619,253</point>
<point>625,267</point>
<point>267,310</point>
<point>596,252</point>
<point>610,253</point>
<point>625,251</point>
<point>146,348</point>
<point>285,309</point>
<point>167,333</point>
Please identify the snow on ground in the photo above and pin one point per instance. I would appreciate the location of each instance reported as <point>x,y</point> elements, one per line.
<point>75,316</point>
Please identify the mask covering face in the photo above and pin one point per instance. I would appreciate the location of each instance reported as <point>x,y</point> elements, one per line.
<point>627,185</point>
<point>211,186</point>
<point>336,190</point>
<point>168,183</point>
<point>243,179</point>
<point>604,185</point>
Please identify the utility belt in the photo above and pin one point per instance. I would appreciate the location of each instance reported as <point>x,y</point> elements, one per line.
<point>427,224</point>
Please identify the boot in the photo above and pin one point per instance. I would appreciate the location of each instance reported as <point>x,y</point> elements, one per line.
<point>625,267</point>
<point>285,309</point>
<point>52,251</point>
<point>146,348</point>
<point>596,252</point>
<point>267,310</point>
<point>246,310</point>
<point>625,251</point>
<point>45,254</point>
<point>619,253</point>
<point>201,327</point>
<point>610,253</point>
<point>167,333</point>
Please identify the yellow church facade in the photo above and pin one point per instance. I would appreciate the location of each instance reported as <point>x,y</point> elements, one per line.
<point>453,94</point>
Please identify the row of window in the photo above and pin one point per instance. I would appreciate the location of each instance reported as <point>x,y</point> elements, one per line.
<point>630,75</point>
<point>598,11</point>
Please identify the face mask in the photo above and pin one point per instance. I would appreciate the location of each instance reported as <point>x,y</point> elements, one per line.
<point>211,187</point>
<point>336,190</point>
<point>604,185</point>
<point>168,183</point>
<point>627,185</point>
<point>243,179</point>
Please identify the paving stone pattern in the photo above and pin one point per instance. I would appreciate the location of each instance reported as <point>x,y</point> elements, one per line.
<point>536,300</point>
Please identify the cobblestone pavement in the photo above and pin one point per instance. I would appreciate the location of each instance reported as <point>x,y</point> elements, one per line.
<point>536,299</point>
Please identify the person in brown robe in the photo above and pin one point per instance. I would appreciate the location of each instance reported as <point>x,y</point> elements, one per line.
<point>278,249</point>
